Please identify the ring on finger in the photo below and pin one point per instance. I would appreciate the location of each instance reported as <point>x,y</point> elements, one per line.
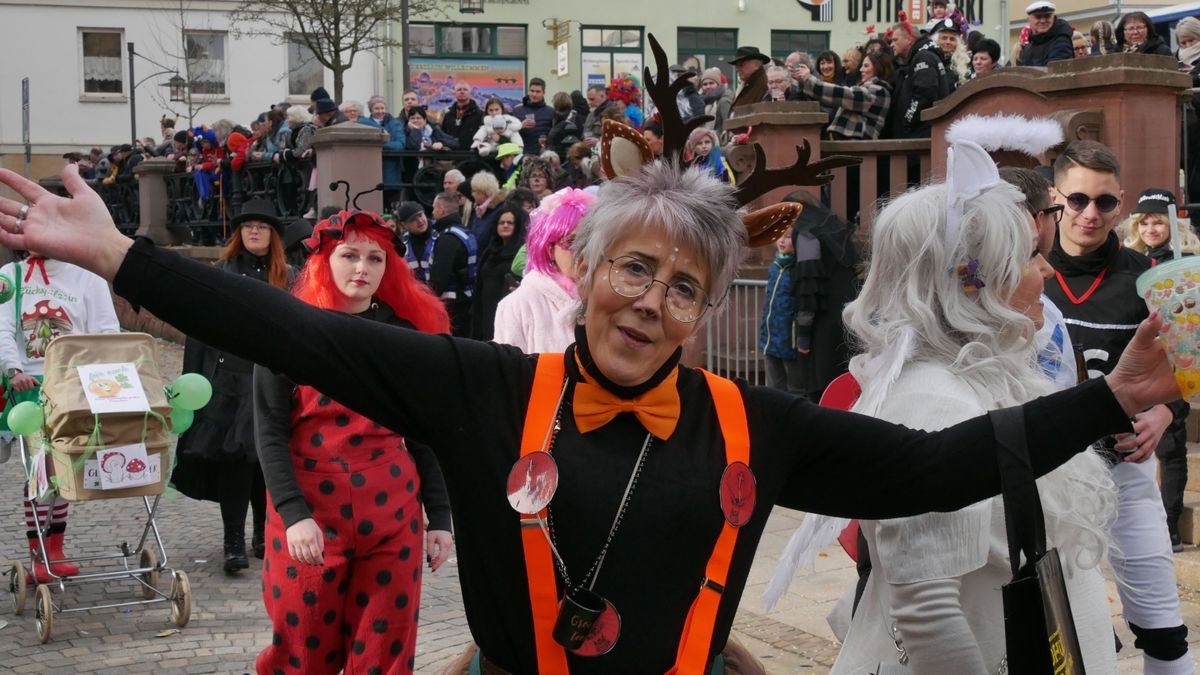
<point>24,211</point>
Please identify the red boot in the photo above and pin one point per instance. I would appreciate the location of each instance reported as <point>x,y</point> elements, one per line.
<point>39,573</point>
<point>54,550</point>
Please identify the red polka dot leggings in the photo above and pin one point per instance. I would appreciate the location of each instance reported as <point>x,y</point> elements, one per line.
<point>358,611</point>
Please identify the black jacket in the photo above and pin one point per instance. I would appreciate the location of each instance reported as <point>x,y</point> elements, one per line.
<point>565,133</point>
<point>1153,45</point>
<point>920,83</point>
<point>1053,45</point>
<point>462,128</point>
<point>543,120</point>
<point>1102,323</point>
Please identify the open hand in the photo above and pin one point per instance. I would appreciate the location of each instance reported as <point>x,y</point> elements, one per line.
<point>79,230</point>
<point>1142,377</point>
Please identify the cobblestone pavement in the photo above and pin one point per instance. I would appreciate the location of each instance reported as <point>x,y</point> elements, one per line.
<point>228,625</point>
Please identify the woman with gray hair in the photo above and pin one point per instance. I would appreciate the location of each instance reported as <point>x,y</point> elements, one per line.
<point>946,320</point>
<point>654,481</point>
<point>353,110</point>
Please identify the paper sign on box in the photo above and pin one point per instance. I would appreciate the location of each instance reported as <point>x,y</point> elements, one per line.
<point>113,388</point>
<point>120,467</point>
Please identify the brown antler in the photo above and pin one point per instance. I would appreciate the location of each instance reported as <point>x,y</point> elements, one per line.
<point>663,92</point>
<point>762,180</point>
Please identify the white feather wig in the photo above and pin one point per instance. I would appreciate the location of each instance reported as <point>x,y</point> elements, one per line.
<point>1007,132</point>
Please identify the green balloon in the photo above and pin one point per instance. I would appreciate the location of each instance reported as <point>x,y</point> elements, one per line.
<point>191,391</point>
<point>6,289</point>
<point>25,418</point>
<point>181,419</point>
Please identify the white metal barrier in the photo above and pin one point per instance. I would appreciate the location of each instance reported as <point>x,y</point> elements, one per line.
<point>732,336</point>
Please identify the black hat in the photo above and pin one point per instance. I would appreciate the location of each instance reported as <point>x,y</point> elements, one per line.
<point>318,94</point>
<point>943,26</point>
<point>261,210</point>
<point>1154,200</point>
<point>181,137</point>
<point>324,105</point>
<point>406,211</point>
<point>746,53</point>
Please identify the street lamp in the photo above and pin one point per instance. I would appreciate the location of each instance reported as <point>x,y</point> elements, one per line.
<point>177,85</point>
<point>470,6</point>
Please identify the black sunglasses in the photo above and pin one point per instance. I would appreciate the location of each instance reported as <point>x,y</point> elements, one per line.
<point>1079,201</point>
<point>1055,211</point>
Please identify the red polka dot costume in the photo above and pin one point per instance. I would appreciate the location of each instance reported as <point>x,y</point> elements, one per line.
<point>358,611</point>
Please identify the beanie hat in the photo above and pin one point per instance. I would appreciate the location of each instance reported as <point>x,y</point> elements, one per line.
<point>1154,200</point>
<point>713,74</point>
<point>318,94</point>
<point>407,211</point>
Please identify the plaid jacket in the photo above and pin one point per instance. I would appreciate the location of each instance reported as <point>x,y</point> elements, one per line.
<point>862,110</point>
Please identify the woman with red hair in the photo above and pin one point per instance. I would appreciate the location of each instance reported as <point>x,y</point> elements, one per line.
<point>342,575</point>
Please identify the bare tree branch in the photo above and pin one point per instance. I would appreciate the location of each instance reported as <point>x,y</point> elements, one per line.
<point>335,31</point>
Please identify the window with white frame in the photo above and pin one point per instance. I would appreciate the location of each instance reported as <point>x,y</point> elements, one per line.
<point>305,72</point>
<point>205,53</point>
<point>102,67</point>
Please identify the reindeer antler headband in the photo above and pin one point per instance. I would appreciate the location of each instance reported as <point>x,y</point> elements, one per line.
<point>623,152</point>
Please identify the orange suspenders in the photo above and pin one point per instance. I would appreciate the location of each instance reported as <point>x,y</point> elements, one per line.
<point>696,641</point>
<point>539,563</point>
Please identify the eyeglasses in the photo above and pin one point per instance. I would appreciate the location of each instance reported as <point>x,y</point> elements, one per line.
<point>630,277</point>
<point>1079,201</point>
<point>256,226</point>
<point>1055,212</point>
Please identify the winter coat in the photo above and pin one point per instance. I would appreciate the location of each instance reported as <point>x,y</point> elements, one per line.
<point>862,110</point>
<point>299,141</point>
<point>776,330</point>
<point>512,133</point>
<point>1152,45</point>
<point>421,139</point>
<point>1053,45</point>
<point>753,89</point>
<point>718,103</point>
<point>543,120</point>
<point>462,127</point>
<point>591,126</point>
<point>690,103</point>
<point>564,134</point>
<point>920,83</point>
<point>580,105</point>
<point>397,140</point>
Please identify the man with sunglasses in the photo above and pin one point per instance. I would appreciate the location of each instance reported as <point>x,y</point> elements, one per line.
<point>1094,286</point>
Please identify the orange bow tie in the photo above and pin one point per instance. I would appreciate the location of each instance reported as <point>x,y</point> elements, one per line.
<point>657,409</point>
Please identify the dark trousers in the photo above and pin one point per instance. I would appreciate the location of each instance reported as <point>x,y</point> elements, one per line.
<point>788,375</point>
<point>242,489</point>
<point>1172,460</point>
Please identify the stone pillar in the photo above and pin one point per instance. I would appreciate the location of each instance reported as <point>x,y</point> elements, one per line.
<point>153,200</point>
<point>353,153</point>
<point>779,128</point>
<point>1129,102</point>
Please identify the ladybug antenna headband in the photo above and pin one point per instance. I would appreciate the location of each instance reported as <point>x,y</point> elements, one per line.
<point>335,228</point>
<point>333,187</point>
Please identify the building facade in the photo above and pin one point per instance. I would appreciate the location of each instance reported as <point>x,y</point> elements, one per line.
<point>75,54</point>
<point>574,43</point>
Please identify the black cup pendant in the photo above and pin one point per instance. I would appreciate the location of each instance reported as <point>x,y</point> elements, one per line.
<point>577,615</point>
<point>532,482</point>
<point>604,634</point>
<point>739,494</point>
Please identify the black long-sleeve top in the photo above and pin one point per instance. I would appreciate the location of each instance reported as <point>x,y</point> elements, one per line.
<point>468,400</point>
<point>273,399</point>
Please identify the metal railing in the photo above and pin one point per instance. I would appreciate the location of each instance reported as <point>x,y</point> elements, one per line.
<point>732,336</point>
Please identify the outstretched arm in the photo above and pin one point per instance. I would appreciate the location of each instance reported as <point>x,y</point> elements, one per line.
<point>363,364</point>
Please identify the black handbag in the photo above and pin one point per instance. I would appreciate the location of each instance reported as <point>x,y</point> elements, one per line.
<point>1039,629</point>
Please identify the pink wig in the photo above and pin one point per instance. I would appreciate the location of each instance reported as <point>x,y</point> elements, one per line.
<point>553,221</point>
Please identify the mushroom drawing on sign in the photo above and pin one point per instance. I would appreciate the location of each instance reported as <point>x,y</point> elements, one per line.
<point>46,321</point>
